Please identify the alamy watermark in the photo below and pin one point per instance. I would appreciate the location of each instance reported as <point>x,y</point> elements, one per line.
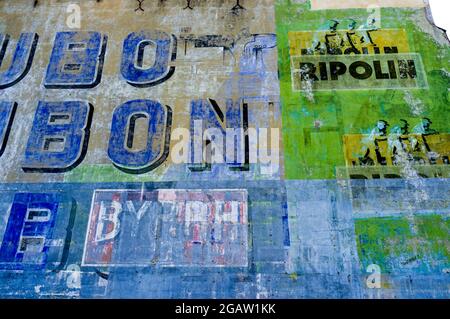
<point>73,20</point>
<point>373,281</point>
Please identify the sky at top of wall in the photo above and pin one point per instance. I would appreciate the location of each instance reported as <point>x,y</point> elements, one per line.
<point>440,10</point>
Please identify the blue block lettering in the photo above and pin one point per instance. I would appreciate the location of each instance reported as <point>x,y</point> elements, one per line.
<point>59,137</point>
<point>120,150</point>
<point>76,61</point>
<point>26,240</point>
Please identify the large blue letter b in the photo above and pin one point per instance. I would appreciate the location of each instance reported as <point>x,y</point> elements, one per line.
<point>59,137</point>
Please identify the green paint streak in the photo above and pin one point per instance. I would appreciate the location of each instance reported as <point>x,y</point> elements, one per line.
<point>106,174</point>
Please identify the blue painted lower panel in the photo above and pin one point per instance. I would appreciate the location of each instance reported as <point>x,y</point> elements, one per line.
<point>271,239</point>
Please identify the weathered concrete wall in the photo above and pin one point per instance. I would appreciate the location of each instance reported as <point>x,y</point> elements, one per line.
<point>117,178</point>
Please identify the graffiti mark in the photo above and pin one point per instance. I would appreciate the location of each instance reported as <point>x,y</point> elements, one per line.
<point>188,5</point>
<point>102,275</point>
<point>139,8</point>
<point>237,8</point>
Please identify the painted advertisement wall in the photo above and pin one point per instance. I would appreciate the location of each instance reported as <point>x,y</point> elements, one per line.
<point>223,149</point>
